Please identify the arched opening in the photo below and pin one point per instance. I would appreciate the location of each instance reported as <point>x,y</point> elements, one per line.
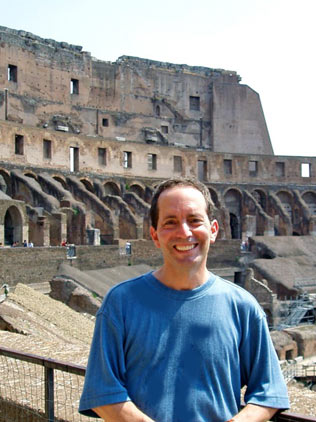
<point>260,196</point>
<point>88,185</point>
<point>31,175</point>
<point>214,197</point>
<point>111,188</point>
<point>310,200</point>
<point>234,226</point>
<point>12,226</point>
<point>5,183</point>
<point>61,181</point>
<point>233,204</point>
<point>286,200</point>
<point>157,110</point>
<point>138,190</point>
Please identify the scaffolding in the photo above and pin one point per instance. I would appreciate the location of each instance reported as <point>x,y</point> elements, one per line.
<point>300,309</point>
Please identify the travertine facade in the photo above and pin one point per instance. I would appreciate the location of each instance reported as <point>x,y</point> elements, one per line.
<point>83,142</point>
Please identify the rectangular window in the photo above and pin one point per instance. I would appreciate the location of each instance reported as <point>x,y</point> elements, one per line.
<point>102,156</point>
<point>280,169</point>
<point>19,144</point>
<point>194,103</point>
<point>74,86</point>
<point>253,168</point>
<point>177,163</point>
<point>228,169</point>
<point>74,159</point>
<point>47,149</point>
<point>105,122</point>
<point>127,159</point>
<point>164,129</point>
<point>202,169</point>
<point>152,161</point>
<point>12,73</point>
<point>305,170</point>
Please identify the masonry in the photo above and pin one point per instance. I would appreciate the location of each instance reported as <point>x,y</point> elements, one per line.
<point>84,142</point>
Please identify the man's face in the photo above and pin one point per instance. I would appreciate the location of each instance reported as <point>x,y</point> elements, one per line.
<point>184,232</point>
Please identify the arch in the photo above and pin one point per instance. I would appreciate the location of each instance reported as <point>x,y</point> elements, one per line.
<point>285,196</point>
<point>111,188</point>
<point>13,226</point>
<point>234,226</point>
<point>138,189</point>
<point>233,202</point>
<point>287,199</point>
<point>261,197</point>
<point>157,110</point>
<point>61,180</point>
<point>214,196</point>
<point>5,182</point>
<point>88,185</point>
<point>310,199</point>
<point>30,174</point>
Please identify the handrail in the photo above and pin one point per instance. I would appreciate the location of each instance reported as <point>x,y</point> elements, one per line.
<point>52,364</point>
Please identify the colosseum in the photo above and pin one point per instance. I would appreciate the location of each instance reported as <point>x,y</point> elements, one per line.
<point>85,141</point>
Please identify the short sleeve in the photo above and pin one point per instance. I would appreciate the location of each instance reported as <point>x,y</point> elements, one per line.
<point>105,376</point>
<point>260,368</point>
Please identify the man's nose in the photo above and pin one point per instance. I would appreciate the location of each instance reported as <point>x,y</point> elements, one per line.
<point>184,229</point>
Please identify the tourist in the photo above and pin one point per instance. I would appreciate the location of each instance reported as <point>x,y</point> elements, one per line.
<point>179,343</point>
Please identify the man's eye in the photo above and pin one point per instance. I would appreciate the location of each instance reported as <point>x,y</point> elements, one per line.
<point>196,220</point>
<point>169,222</point>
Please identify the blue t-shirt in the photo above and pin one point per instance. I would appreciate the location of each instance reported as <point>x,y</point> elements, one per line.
<point>182,355</point>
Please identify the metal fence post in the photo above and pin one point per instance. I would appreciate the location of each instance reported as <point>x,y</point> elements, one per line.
<point>49,394</point>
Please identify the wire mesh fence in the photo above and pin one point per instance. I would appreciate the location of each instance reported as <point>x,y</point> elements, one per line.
<point>35,389</point>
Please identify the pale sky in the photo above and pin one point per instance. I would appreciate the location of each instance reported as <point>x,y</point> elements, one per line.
<point>269,43</point>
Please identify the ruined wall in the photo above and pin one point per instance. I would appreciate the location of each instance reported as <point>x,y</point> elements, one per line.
<point>238,119</point>
<point>100,129</point>
<point>44,83</point>
<point>17,264</point>
<point>215,169</point>
<point>305,337</point>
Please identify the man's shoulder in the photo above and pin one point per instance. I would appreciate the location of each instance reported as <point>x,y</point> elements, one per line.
<point>237,294</point>
<point>125,289</point>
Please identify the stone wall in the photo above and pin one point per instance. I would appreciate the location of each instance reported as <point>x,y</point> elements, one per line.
<point>305,337</point>
<point>60,87</point>
<point>18,264</point>
<point>88,160</point>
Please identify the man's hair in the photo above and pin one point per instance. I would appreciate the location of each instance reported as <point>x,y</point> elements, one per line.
<point>171,183</point>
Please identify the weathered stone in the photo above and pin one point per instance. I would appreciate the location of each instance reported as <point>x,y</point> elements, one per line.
<point>73,295</point>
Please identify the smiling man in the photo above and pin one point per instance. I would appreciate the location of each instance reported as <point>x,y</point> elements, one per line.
<point>178,344</point>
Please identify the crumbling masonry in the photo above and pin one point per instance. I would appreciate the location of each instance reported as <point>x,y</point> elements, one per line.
<point>83,142</point>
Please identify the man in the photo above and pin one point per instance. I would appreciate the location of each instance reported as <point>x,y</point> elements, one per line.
<point>177,345</point>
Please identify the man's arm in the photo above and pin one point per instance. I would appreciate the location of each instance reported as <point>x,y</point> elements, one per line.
<point>121,412</point>
<point>254,413</point>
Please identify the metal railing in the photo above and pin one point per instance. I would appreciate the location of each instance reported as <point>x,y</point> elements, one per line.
<point>37,389</point>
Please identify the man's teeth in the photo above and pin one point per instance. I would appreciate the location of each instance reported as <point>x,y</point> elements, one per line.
<point>185,248</point>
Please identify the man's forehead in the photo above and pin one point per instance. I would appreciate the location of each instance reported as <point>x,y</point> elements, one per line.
<point>188,196</point>
<point>186,190</point>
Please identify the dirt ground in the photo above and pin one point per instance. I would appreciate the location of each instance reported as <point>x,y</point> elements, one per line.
<point>45,327</point>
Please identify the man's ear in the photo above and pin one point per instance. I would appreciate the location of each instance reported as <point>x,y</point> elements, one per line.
<point>153,234</point>
<point>214,230</point>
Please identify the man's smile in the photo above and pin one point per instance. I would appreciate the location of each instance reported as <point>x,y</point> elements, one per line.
<point>185,247</point>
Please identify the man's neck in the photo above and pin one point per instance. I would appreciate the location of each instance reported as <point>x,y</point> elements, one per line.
<point>182,279</point>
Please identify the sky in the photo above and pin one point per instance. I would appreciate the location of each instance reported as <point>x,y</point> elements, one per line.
<point>269,43</point>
